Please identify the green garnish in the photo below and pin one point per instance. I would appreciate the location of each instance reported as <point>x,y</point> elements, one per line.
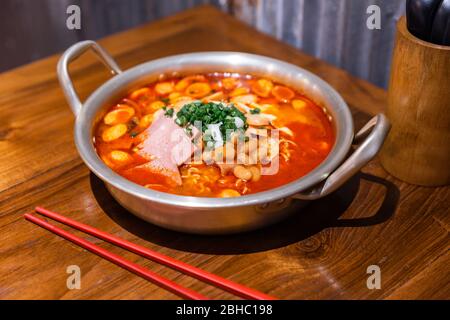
<point>165,100</point>
<point>255,111</point>
<point>133,134</point>
<point>168,112</point>
<point>227,118</point>
<point>211,113</point>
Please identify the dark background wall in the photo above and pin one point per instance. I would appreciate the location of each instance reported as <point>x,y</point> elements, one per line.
<point>333,30</point>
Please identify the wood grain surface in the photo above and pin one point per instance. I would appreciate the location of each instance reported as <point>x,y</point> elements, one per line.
<point>321,252</point>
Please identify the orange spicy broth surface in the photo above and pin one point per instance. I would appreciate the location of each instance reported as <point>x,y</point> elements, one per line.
<point>302,147</point>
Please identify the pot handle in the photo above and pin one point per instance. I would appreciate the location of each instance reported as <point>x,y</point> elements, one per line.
<point>72,54</point>
<point>370,139</point>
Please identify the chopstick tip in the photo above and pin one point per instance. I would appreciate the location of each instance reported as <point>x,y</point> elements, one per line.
<point>27,215</point>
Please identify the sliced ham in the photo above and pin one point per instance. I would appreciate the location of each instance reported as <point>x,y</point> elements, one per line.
<point>167,146</point>
<point>154,172</point>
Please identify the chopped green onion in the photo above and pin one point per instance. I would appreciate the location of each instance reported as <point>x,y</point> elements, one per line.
<point>212,113</point>
<point>168,112</point>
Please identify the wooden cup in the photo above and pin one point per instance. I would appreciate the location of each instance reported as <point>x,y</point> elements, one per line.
<point>417,149</point>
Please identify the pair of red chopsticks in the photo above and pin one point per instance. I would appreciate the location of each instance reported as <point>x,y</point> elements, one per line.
<point>181,291</point>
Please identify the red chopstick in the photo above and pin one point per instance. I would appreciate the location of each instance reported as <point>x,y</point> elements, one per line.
<point>126,264</point>
<point>200,274</point>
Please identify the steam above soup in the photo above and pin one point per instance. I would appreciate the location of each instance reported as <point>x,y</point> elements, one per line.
<point>214,135</point>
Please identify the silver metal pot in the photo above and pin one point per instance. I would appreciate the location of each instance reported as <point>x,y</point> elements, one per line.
<point>220,215</point>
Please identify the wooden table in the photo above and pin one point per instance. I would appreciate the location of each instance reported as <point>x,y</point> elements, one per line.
<point>322,252</point>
